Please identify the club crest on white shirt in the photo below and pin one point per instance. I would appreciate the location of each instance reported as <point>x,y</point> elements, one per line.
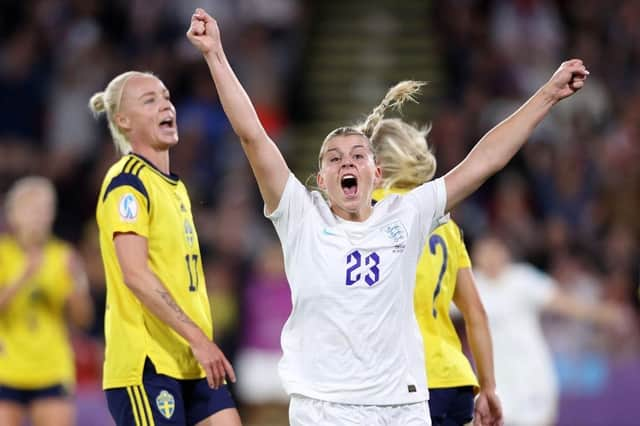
<point>128,207</point>
<point>395,232</point>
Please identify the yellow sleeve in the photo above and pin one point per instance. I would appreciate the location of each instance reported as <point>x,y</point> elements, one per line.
<point>125,208</point>
<point>463,256</point>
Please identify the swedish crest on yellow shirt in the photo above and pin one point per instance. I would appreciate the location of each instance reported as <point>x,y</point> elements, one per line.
<point>188,232</point>
<point>166,404</point>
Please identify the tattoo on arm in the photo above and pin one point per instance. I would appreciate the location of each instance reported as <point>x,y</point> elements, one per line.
<point>174,306</point>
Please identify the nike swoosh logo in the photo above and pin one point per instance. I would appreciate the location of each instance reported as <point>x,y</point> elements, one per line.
<point>325,231</point>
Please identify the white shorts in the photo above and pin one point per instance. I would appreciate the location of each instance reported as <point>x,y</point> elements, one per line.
<point>259,382</point>
<point>305,411</point>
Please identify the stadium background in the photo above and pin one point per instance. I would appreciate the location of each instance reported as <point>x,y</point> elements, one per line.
<point>569,202</point>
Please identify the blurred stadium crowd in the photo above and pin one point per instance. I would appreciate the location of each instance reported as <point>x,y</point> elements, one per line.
<point>568,203</point>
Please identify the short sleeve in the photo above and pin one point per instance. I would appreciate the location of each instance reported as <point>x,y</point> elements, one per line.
<point>430,199</point>
<point>463,255</point>
<point>294,203</point>
<point>125,208</point>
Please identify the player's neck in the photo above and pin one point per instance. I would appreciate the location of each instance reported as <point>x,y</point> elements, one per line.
<point>159,158</point>
<point>359,216</point>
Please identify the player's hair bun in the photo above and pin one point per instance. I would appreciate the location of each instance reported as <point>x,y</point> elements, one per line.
<point>96,104</point>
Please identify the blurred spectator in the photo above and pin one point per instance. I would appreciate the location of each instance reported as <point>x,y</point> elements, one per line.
<point>205,129</point>
<point>72,137</point>
<point>23,90</point>
<point>222,286</point>
<point>512,216</point>
<point>266,307</point>
<point>529,33</point>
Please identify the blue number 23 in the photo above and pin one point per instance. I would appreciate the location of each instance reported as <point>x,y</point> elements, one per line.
<point>354,262</point>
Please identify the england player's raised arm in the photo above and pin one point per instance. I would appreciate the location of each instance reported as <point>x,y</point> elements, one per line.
<point>267,163</point>
<point>501,143</point>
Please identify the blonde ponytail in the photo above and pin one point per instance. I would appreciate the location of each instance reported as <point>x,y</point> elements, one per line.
<point>394,99</point>
<point>396,96</point>
<point>403,154</point>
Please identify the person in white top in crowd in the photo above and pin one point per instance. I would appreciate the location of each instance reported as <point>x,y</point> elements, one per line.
<point>352,350</point>
<point>514,296</point>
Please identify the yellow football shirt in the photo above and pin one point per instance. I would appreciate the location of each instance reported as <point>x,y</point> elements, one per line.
<point>436,275</point>
<point>34,345</point>
<point>137,197</point>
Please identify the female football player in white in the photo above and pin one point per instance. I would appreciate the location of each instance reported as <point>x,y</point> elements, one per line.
<point>515,295</point>
<point>353,353</point>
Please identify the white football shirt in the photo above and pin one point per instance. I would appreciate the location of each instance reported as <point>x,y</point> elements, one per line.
<point>352,336</point>
<point>525,375</point>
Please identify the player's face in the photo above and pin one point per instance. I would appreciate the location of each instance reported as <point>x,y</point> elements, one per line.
<point>147,114</point>
<point>491,256</point>
<point>348,174</point>
<point>31,215</point>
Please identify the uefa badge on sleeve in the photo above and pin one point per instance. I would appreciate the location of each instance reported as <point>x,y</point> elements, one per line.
<point>128,208</point>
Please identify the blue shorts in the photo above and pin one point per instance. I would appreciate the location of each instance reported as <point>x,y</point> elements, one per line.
<point>27,396</point>
<point>451,406</point>
<point>162,400</point>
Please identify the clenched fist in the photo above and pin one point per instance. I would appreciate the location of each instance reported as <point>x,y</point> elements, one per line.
<point>568,79</point>
<point>204,32</point>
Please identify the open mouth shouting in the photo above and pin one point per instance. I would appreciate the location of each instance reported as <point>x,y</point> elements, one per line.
<point>168,123</point>
<point>168,128</point>
<point>349,184</point>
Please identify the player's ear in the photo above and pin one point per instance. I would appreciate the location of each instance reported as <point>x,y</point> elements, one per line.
<point>122,121</point>
<point>320,181</point>
<point>377,177</point>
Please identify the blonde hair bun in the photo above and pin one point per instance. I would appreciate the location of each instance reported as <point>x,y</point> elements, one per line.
<point>96,103</point>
